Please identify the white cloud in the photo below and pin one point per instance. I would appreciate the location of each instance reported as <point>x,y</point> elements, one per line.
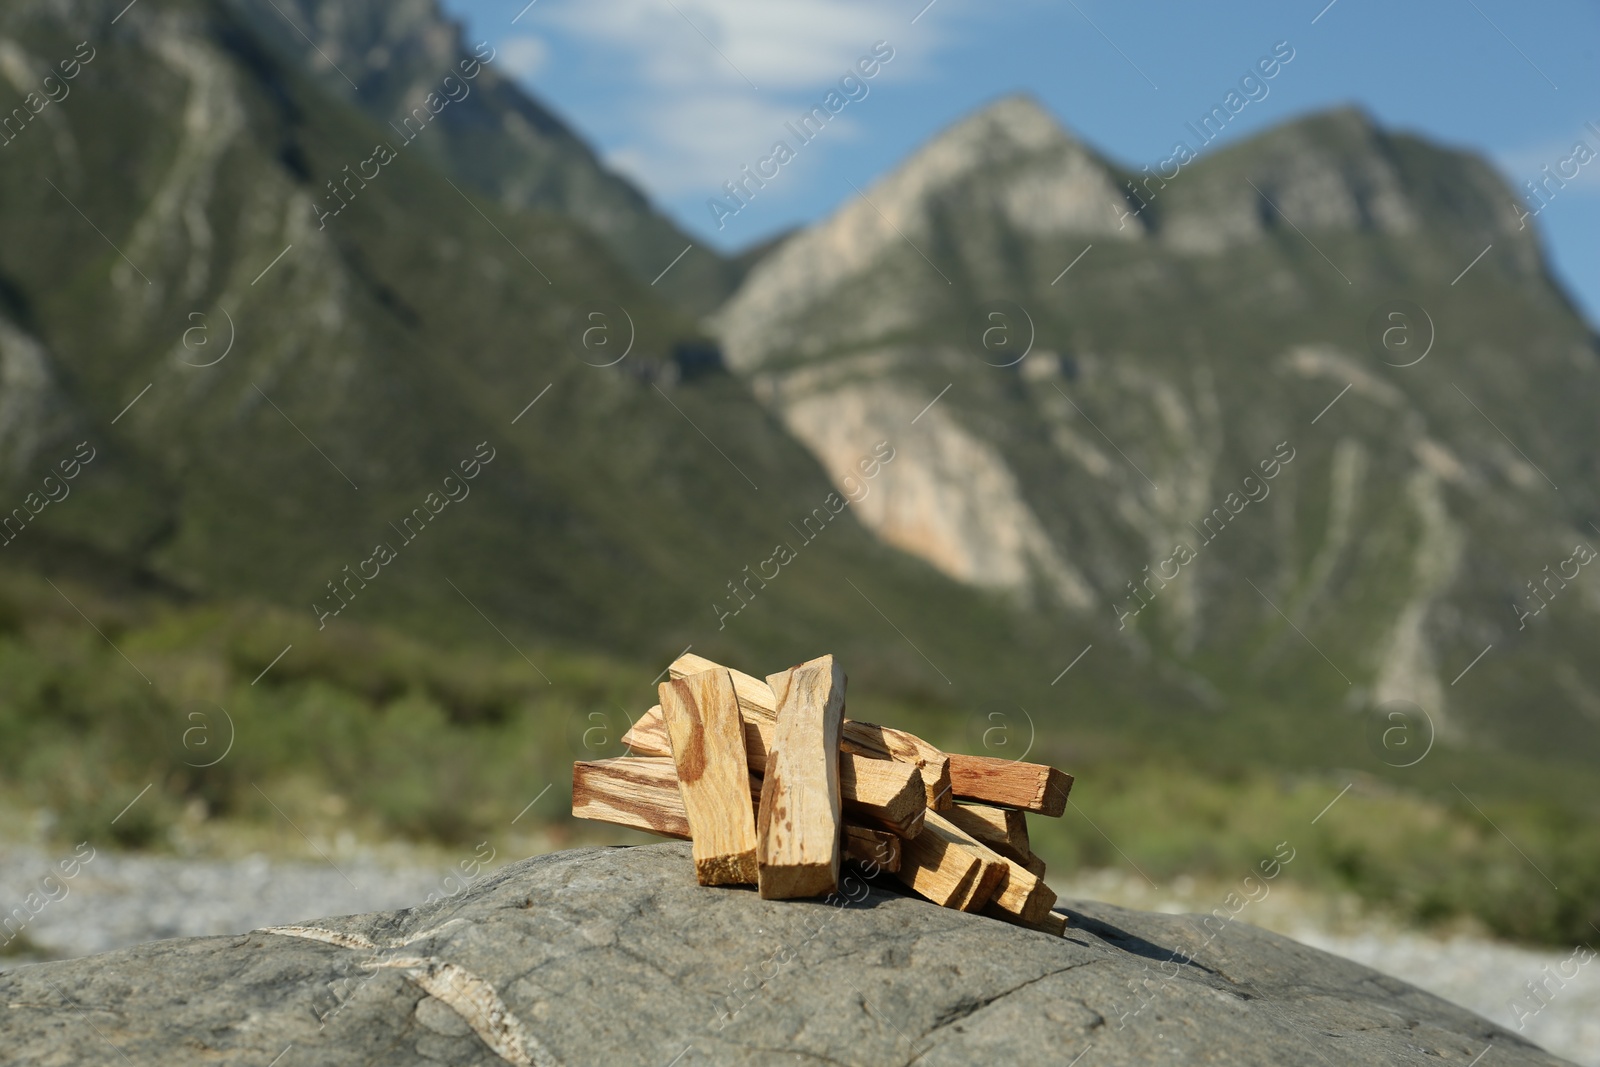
<point>522,57</point>
<point>1526,164</point>
<point>693,43</point>
<point>696,140</point>
<point>708,84</point>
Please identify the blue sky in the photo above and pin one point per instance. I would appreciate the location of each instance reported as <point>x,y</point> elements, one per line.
<point>678,94</point>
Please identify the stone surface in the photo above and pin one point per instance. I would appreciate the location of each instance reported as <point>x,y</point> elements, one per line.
<point>616,956</point>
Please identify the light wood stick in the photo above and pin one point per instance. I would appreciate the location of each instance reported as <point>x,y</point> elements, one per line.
<point>885,793</point>
<point>1034,864</point>
<point>884,742</point>
<point>876,850</point>
<point>991,880</point>
<point>1029,786</point>
<point>934,866</point>
<point>755,695</point>
<point>641,793</point>
<point>648,735</point>
<point>757,701</point>
<point>1003,829</point>
<point>949,871</point>
<point>1021,894</point>
<point>707,735</point>
<point>799,821</point>
<point>1053,922</point>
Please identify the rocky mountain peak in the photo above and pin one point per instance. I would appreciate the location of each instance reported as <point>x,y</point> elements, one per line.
<point>1009,171</point>
<point>1331,170</point>
<point>1019,122</point>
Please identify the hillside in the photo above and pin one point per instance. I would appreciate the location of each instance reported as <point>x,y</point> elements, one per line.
<point>1171,411</point>
<point>384,58</point>
<point>384,443</point>
<point>281,399</point>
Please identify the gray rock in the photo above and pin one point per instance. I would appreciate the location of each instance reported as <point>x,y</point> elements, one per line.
<point>615,956</point>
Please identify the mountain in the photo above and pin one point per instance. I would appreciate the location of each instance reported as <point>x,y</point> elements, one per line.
<point>297,366</point>
<point>1230,484</point>
<point>1305,417</point>
<point>385,58</point>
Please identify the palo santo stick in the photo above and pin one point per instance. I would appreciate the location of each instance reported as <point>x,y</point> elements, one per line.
<point>1003,829</point>
<point>1029,786</point>
<point>1053,923</point>
<point>755,696</point>
<point>799,822</point>
<point>1022,894</point>
<point>884,742</point>
<point>991,879</point>
<point>934,866</point>
<point>707,735</point>
<point>756,701</point>
<point>1034,864</point>
<point>648,736</point>
<point>875,849</point>
<point>948,871</point>
<point>643,794</point>
<point>885,793</point>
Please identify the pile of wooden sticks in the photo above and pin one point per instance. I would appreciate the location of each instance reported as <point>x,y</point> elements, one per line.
<point>775,787</point>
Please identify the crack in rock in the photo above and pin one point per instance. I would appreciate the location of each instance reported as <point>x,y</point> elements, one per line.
<point>967,1008</point>
<point>473,998</point>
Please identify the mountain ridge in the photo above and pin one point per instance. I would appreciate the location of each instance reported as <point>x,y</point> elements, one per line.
<point>1033,502</point>
<point>497,139</point>
<point>1276,260</point>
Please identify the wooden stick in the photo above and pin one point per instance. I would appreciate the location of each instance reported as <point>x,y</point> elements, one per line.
<point>757,701</point>
<point>934,866</point>
<point>877,850</point>
<point>1029,786</point>
<point>949,871</point>
<point>1021,894</point>
<point>798,825</point>
<point>885,793</point>
<point>1034,864</point>
<point>707,735</point>
<point>991,880</point>
<point>643,794</point>
<point>1053,922</point>
<point>883,742</point>
<point>755,696</point>
<point>1003,829</point>
<point>648,736</point>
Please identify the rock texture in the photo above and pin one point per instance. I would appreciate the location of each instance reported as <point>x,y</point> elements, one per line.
<point>615,956</point>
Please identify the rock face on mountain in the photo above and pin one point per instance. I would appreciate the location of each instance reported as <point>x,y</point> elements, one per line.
<point>1136,394</point>
<point>289,331</point>
<point>386,58</point>
<point>615,956</point>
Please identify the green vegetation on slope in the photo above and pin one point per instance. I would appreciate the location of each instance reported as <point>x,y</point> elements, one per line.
<point>371,733</point>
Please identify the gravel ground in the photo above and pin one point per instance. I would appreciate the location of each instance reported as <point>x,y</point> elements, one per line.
<point>1486,976</point>
<point>118,900</point>
<point>121,899</point>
